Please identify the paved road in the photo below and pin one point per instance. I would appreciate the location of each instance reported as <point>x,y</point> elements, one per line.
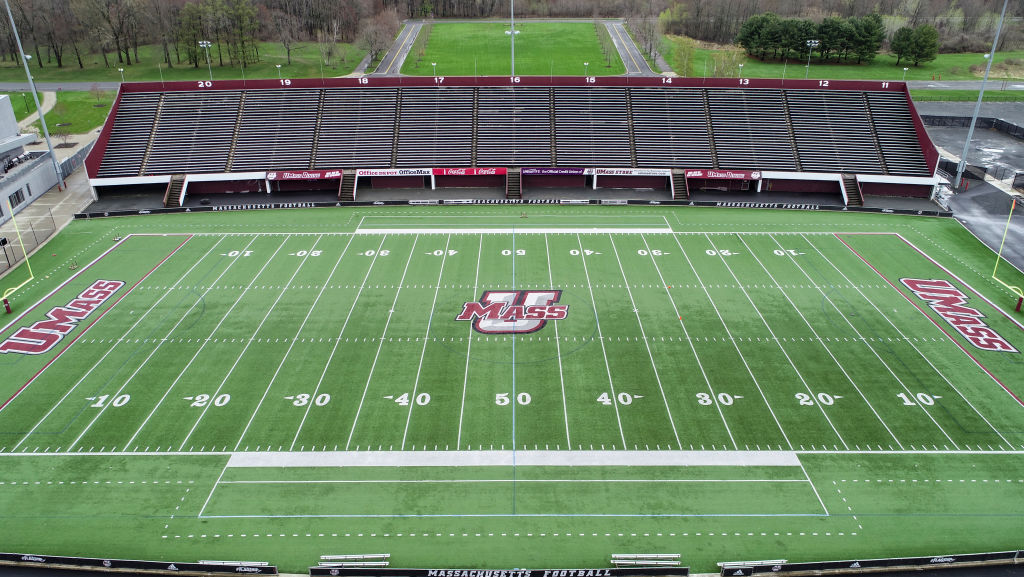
<point>391,64</point>
<point>55,86</point>
<point>628,52</point>
<point>994,85</point>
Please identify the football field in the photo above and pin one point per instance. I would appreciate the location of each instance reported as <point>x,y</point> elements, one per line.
<point>499,388</point>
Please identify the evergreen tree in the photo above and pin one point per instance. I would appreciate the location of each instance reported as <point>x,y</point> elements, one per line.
<point>924,44</point>
<point>902,43</point>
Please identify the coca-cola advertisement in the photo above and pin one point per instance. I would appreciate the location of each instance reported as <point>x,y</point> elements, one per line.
<point>470,171</point>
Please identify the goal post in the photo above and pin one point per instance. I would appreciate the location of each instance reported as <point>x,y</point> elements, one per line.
<point>31,276</point>
<point>999,256</point>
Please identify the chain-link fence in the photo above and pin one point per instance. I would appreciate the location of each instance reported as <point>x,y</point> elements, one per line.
<point>34,231</point>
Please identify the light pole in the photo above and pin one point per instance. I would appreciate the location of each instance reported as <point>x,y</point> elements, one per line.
<point>434,66</point>
<point>905,73</point>
<point>278,71</point>
<point>32,89</point>
<point>512,32</point>
<point>586,69</point>
<point>121,70</point>
<point>977,107</point>
<point>741,70</point>
<point>811,45</point>
<point>205,44</point>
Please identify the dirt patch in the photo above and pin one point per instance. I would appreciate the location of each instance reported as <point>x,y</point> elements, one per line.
<point>1009,68</point>
<point>66,145</point>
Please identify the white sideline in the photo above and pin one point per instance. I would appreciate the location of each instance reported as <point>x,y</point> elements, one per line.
<point>522,458</point>
<point>516,230</point>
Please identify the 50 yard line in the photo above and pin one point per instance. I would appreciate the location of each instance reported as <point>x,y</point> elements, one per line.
<point>469,347</point>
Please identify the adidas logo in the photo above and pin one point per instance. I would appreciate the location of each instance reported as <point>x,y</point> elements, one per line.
<point>171,567</point>
<point>855,565</point>
<point>738,572</point>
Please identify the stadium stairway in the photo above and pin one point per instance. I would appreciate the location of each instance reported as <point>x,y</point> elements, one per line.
<point>629,125</point>
<point>513,184</point>
<point>551,115</point>
<point>789,127</point>
<point>152,136</point>
<point>874,134</point>
<point>397,128</point>
<point>347,188</point>
<point>679,189</point>
<point>172,198</point>
<point>711,129</point>
<point>234,133</point>
<point>853,196</point>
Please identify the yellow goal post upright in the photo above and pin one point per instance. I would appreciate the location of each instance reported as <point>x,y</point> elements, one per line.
<point>31,276</point>
<point>1014,289</point>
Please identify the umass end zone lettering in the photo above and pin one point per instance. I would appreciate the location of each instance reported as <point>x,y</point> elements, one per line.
<point>951,304</point>
<point>42,336</point>
<point>513,312</point>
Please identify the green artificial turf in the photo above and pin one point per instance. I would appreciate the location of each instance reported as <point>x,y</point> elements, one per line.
<point>280,385</point>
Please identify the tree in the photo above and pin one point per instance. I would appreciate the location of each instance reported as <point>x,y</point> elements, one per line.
<point>288,29</point>
<point>902,43</point>
<point>868,33</point>
<point>924,45</point>
<point>832,33</point>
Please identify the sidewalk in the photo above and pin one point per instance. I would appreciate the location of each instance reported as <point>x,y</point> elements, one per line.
<point>49,101</point>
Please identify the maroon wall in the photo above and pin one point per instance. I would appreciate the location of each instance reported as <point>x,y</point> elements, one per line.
<point>398,181</point>
<point>718,183</point>
<point>554,181</point>
<point>892,189</point>
<point>95,156</point>
<point>224,186</point>
<point>931,154</point>
<point>618,181</point>
<point>785,185</point>
<point>474,181</point>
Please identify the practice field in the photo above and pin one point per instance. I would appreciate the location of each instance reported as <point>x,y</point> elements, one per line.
<point>471,388</point>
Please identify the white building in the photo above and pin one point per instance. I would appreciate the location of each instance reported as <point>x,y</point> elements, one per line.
<point>24,176</point>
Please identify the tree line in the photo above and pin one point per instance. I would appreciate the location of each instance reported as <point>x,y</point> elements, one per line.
<point>766,36</point>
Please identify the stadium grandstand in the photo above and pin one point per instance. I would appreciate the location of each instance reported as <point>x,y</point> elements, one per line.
<point>843,139</point>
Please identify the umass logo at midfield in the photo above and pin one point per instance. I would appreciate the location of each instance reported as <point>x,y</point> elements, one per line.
<point>517,312</point>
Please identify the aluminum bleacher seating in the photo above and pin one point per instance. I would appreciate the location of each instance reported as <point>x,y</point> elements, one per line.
<point>750,129</point>
<point>270,140</point>
<point>894,125</point>
<point>436,127</point>
<point>357,128</point>
<point>514,127</point>
<point>591,127</point>
<point>129,136</point>
<point>832,132</point>
<point>193,133</point>
<point>671,128</point>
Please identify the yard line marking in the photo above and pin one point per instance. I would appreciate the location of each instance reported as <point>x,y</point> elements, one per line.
<point>689,341</point>
<point>902,334</point>
<point>212,489</point>
<point>650,355</point>
<point>600,338</point>
<point>782,348</point>
<point>558,349</point>
<point>861,338</point>
<point>469,347</point>
<point>255,331</point>
<point>729,332</point>
<point>387,323</point>
<point>110,350</point>
<point>467,481</point>
<point>337,343</point>
<point>426,334</point>
<point>171,331</point>
<point>127,381</point>
<point>933,321</point>
<point>815,489</point>
<point>292,342</point>
<point>518,229</point>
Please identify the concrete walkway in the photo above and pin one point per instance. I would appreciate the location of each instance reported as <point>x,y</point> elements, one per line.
<point>49,101</point>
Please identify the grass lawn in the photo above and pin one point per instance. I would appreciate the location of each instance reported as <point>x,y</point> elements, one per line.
<point>967,95</point>
<point>884,67</point>
<point>305,64</point>
<point>23,104</point>
<point>542,48</point>
<point>79,110</point>
<point>721,383</point>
